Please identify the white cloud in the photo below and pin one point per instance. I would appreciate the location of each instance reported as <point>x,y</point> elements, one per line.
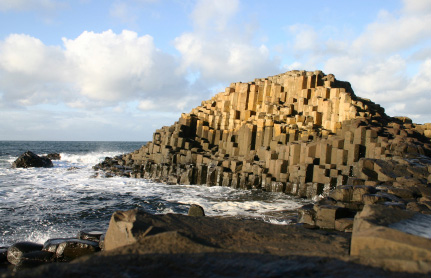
<point>417,6</point>
<point>94,69</point>
<point>218,53</point>
<point>391,33</point>
<point>30,72</point>
<point>306,38</point>
<point>378,62</point>
<point>24,5</point>
<point>209,13</point>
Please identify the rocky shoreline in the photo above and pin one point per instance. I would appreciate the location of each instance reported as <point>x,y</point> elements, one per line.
<point>302,133</point>
<point>174,245</point>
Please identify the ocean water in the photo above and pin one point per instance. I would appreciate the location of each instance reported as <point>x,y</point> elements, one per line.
<point>37,204</point>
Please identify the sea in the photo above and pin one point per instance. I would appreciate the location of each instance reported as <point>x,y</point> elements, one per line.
<point>37,204</point>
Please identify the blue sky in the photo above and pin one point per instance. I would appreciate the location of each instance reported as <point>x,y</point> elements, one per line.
<point>118,70</point>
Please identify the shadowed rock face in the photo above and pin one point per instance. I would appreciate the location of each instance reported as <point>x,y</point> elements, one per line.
<point>29,159</point>
<point>188,246</point>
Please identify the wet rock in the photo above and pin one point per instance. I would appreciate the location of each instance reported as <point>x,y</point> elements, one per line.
<point>90,235</point>
<point>307,215</point>
<point>29,159</point>
<point>3,255</point>
<point>53,156</point>
<point>67,249</point>
<point>35,258</point>
<point>16,251</point>
<point>196,210</point>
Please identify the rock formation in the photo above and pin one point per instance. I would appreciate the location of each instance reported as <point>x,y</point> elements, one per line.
<point>303,133</point>
<point>29,159</point>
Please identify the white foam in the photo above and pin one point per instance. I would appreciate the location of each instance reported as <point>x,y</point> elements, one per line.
<point>44,193</point>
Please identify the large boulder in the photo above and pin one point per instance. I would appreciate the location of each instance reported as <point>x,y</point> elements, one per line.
<point>29,159</point>
<point>396,239</point>
<point>127,227</point>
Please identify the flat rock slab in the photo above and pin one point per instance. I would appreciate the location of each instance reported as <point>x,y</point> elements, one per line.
<point>225,234</point>
<point>392,238</point>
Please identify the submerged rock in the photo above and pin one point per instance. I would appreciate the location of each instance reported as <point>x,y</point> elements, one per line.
<point>29,159</point>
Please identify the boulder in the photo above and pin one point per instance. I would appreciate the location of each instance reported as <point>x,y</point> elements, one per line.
<point>3,255</point>
<point>16,251</point>
<point>29,159</point>
<point>67,249</point>
<point>396,239</point>
<point>90,235</point>
<point>35,258</point>
<point>53,156</point>
<point>196,210</point>
<point>127,227</point>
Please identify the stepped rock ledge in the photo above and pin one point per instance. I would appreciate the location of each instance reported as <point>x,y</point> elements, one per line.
<point>303,133</point>
<point>308,135</point>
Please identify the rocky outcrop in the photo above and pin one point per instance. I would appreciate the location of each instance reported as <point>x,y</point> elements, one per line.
<point>29,159</point>
<point>302,133</point>
<point>396,239</point>
<point>24,254</point>
<point>53,156</point>
<point>188,246</point>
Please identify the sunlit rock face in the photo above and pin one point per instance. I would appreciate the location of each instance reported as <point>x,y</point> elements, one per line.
<point>303,133</point>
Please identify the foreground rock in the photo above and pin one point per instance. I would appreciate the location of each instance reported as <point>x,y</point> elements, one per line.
<point>24,255</point>
<point>393,238</point>
<point>29,159</point>
<point>188,246</point>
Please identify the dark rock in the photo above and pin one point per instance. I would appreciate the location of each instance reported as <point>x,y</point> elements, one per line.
<point>3,255</point>
<point>307,215</point>
<point>16,251</point>
<point>53,156</point>
<point>196,210</point>
<point>29,159</point>
<point>67,249</point>
<point>35,258</point>
<point>90,235</point>
<point>327,214</point>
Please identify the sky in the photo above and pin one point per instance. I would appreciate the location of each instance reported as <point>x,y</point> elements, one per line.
<point>116,70</point>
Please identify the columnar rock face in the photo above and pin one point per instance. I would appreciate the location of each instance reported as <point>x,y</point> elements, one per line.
<point>302,133</point>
